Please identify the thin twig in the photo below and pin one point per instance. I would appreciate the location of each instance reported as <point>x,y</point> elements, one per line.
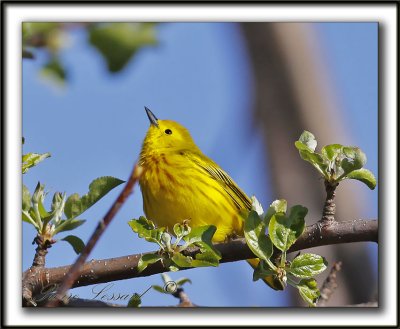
<point>329,285</point>
<point>74,271</point>
<point>184,300</point>
<point>30,285</point>
<point>27,54</point>
<point>328,212</point>
<point>121,268</point>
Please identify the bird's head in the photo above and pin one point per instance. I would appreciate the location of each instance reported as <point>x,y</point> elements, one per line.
<point>166,135</point>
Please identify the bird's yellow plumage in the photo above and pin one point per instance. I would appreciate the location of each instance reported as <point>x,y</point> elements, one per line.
<point>180,183</point>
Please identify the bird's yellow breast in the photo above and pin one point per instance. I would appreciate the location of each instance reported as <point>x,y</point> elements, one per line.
<point>174,189</point>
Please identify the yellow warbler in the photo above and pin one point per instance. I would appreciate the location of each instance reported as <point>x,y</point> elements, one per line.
<point>180,183</point>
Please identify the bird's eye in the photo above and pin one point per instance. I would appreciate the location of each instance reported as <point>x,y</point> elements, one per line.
<point>168,131</point>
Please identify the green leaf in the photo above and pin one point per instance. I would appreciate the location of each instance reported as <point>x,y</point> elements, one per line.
<point>146,260</point>
<point>165,277</point>
<point>135,301</point>
<point>159,289</point>
<point>26,198</point>
<point>75,242</point>
<point>38,29</point>
<point>296,216</point>
<point>57,201</point>
<point>118,42</point>
<point>54,71</point>
<point>178,230</point>
<point>309,291</point>
<point>26,217</point>
<point>37,212</point>
<point>279,205</point>
<point>38,194</point>
<point>275,207</point>
<point>74,206</point>
<point>306,146</point>
<point>307,265</point>
<point>279,229</point>
<point>284,231</point>
<point>262,270</point>
<point>308,139</point>
<point>256,206</point>
<point>207,258</point>
<point>166,241</point>
<point>42,211</point>
<point>343,160</point>
<point>256,239</point>
<point>202,236</point>
<point>204,259</point>
<point>257,275</point>
<point>147,230</point>
<point>180,282</point>
<point>333,155</point>
<point>181,230</point>
<point>142,223</point>
<point>30,160</point>
<point>315,159</point>
<point>353,159</point>
<point>57,207</point>
<point>332,151</point>
<point>181,260</point>
<point>68,225</point>
<point>363,175</point>
<point>301,147</point>
<point>32,213</point>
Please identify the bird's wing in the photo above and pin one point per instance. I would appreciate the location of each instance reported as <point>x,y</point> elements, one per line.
<point>240,199</point>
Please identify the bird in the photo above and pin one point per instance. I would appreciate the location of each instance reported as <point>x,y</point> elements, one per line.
<point>181,184</point>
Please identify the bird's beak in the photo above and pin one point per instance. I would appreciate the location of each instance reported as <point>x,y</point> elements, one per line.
<point>153,119</point>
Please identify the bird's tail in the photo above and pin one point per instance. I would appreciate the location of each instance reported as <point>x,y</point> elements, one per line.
<point>270,280</point>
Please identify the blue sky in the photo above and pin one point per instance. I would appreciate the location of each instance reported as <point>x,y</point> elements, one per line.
<point>198,75</point>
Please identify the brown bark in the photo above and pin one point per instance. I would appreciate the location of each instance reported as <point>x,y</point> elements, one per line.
<point>120,268</point>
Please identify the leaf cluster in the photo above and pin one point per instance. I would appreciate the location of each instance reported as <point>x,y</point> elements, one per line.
<point>64,212</point>
<point>170,286</point>
<point>117,43</point>
<point>48,223</point>
<point>30,160</point>
<point>284,229</point>
<point>170,253</point>
<point>335,162</point>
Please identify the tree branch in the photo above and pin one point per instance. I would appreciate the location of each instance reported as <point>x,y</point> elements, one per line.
<point>121,268</point>
<point>329,285</point>
<point>79,302</point>
<point>184,300</point>
<point>73,271</point>
<point>328,212</point>
<point>29,279</point>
